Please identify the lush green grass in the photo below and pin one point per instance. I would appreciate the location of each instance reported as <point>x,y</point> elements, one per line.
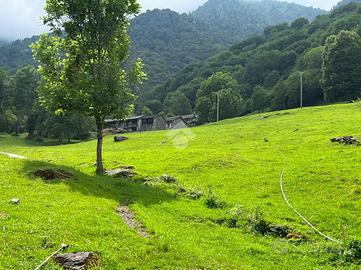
<point>322,181</point>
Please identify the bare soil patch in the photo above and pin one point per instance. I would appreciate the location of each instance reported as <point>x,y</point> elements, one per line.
<point>50,174</point>
<point>129,218</point>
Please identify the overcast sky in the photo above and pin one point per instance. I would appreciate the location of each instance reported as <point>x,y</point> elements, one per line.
<point>21,18</point>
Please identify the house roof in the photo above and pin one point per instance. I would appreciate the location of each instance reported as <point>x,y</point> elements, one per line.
<point>172,119</point>
<point>131,118</point>
<point>189,116</point>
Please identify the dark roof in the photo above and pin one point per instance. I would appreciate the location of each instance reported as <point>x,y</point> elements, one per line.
<point>189,116</point>
<point>135,117</point>
<point>131,118</point>
<point>173,118</point>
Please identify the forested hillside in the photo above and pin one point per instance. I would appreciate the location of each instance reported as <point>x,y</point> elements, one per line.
<point>168,41</point>
<point>17,54</point>
<point>234,20</point>
<point>262,72</point>
<point>346,2</point>
<point>2,42</point>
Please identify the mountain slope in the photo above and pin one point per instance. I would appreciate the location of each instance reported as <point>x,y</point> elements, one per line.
<point>234,20</point>
<point>271,60</point>
<point>17,54</point>
<point>322,180</point>
<point>168,41</point>
<point>3,42</point>
<point>346,2</point>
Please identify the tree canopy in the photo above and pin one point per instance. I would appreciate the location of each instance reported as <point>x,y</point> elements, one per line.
<point>82,64</point>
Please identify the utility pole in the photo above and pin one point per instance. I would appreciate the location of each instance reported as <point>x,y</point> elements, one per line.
<point>301,88</point>
<point>217,106</point>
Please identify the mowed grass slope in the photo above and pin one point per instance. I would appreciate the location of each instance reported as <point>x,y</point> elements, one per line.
<point>239,159</point>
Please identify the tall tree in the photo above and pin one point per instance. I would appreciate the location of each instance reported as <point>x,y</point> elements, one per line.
<point>341,79</point>
<point>2,98</point>
<point>25,82</point>
<point>260,99</point>
<point>177,103</point>
<point>2,88</point>
<point>83,63</point>
<point>220,87</point>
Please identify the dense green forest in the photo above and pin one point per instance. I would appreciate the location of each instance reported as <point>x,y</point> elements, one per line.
<point>234,20</point>
<point>20,110</point>
<point>262,73</point>
<point>168,41</point>
<point>258,74</point>
<point>3,41</point>
<point>17,54</point>
<point>346,2</point>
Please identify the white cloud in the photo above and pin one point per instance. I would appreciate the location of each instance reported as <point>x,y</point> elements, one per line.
<point>21,18</point>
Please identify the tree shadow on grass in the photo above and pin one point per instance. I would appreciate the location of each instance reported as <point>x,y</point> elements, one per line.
<point>117,189</point>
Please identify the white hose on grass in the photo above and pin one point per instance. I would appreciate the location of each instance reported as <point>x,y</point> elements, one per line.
<point>301,216</point>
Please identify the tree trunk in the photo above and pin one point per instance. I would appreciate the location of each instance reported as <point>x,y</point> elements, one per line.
<point>100,167</point>
<point>17,129</point>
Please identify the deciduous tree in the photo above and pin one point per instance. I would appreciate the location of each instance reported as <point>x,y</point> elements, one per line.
<point>341,79</point>
<point>82,64</point>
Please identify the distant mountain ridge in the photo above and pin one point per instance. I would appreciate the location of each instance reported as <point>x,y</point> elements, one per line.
<point>346,2</point>
<point>168,41</point>
<point>267,65</point>
<point>234,20</point>
<point>3,41</point>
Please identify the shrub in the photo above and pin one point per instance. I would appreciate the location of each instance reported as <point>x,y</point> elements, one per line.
<point>257,223</point>
<point>213,202</point>
<point>352,253</point>
<point>193,193</point>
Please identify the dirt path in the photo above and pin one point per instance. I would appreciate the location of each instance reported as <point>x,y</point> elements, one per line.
<point>129,218</point>
<point>10,155</point>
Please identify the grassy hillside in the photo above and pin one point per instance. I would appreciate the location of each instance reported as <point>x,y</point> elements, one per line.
<point>240,159</point>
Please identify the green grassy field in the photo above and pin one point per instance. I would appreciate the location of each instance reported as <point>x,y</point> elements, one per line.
<point>240,160</point>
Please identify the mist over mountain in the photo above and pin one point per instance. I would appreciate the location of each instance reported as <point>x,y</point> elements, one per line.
<point>3,41</point>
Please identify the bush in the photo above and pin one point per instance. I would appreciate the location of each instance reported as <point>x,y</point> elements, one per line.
<point>193,193</point>
<point>213,202</point>
<point>348,253</point>
<point>352,253</point>
<point>257,223</point>
<point>235,217</point>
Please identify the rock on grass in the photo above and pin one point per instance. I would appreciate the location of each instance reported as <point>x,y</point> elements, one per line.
<point>77,261</point>
<point>347,140</point>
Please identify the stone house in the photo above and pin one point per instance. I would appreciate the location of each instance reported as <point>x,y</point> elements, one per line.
<point>137,124</point>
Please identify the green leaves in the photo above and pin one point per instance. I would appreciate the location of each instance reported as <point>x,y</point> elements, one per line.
<point>342,67</point>
<point>83,68</point>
